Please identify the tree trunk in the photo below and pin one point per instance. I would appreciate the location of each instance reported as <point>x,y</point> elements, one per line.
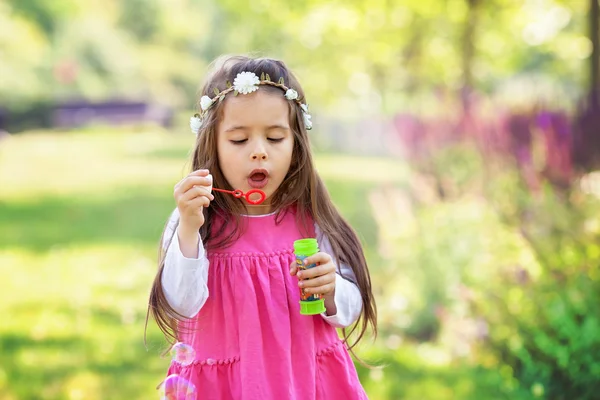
<point>595,57</point>
<point>468,50</point>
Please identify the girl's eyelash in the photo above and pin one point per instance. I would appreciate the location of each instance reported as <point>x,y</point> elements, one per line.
<point>273,140</point>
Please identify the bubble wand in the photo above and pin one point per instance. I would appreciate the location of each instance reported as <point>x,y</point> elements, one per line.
<point>237,193</point>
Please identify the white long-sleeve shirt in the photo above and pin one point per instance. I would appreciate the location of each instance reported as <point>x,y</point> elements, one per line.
<point>184,280</point>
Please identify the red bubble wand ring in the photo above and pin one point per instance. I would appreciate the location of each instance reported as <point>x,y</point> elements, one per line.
<point>237,193</point>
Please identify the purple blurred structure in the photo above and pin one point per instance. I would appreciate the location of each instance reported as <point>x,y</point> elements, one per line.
<point>587,139</point>
<point>562,145</point>
<point>77,114</point>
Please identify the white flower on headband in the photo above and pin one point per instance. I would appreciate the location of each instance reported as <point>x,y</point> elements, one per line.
<point>205,103</point>
<point>291,94</point>
<point>306,116</point>
<point>246,82</point>
<point>195,124</point>
<point>307,121</point>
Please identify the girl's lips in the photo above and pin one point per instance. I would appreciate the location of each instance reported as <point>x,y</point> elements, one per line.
<point>258,184</point>
<point>258,178</point>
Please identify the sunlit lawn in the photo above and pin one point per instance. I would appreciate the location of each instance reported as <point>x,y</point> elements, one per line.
<point>81,214</point>
<point>80,217</point>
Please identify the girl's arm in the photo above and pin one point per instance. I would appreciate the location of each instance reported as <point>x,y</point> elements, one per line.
<point>183,279</point>
<point>347,297</point>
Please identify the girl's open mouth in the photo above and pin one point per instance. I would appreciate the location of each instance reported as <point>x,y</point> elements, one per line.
<point>258,178</point>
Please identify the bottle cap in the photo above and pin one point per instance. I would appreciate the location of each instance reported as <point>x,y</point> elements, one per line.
<point>306,247</point>
<point>312,307</point>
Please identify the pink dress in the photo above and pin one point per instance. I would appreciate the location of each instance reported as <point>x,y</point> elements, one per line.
<point>251,341</point>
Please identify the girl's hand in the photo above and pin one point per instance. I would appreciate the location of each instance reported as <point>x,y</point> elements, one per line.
<point>192,194</point>
<point>319,279</point>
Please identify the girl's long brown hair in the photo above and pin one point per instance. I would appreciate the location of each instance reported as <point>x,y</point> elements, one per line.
<point>302,189</point>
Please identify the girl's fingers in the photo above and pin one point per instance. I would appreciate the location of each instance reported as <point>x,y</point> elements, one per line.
<point>325,289</point>
<point>317,282</point>
<point>319,258</point>
<point>198,173</point>
<point>191,181</point>
<point>319,270</point>
<point>193,205</point>
<point>293,268</point>
<point>199,202</point>
<point>196,191</point>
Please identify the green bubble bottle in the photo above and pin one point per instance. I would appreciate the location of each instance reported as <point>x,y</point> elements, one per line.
<point>309,304</point>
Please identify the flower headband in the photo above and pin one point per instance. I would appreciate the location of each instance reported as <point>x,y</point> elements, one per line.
<point>245,83</point>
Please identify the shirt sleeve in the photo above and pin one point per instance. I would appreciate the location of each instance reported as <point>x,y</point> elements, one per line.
<point>347,298</point>
<point>184,280</point>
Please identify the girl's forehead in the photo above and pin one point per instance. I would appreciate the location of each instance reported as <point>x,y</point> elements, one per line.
<point>258,108</point>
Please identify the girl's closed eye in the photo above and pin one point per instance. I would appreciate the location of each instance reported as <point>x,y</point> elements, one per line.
<point>240,141</point>
<point>275,140</point>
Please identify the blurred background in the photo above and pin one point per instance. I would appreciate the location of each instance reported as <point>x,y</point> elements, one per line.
<point>461,138</point>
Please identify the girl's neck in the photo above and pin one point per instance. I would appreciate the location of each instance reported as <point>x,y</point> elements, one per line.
<point>257,210</point>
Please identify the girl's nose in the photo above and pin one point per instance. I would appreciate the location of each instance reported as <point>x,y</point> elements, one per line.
<point>259,155</point>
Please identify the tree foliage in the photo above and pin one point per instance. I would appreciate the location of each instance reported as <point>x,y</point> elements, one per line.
<point>352,56</point>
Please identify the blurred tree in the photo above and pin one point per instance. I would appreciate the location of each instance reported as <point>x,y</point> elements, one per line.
<point>595,56</point>
<point>140,17</point>
<point>46,14</point>
<point>469,36</point>
<point>355,58</point>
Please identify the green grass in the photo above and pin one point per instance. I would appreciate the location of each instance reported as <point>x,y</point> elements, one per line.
<point>81,215</point>
<point>80,218</point>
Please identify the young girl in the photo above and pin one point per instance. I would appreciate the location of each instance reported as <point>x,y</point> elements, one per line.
<point>227,285</point>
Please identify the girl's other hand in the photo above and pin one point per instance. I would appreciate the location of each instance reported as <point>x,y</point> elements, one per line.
<point>319,279</point>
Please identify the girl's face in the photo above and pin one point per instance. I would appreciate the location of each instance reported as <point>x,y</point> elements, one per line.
<point>255,142</point>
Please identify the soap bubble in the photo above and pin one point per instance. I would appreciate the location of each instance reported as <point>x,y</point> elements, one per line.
<point>177,388</point>
<point>183,354</point>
